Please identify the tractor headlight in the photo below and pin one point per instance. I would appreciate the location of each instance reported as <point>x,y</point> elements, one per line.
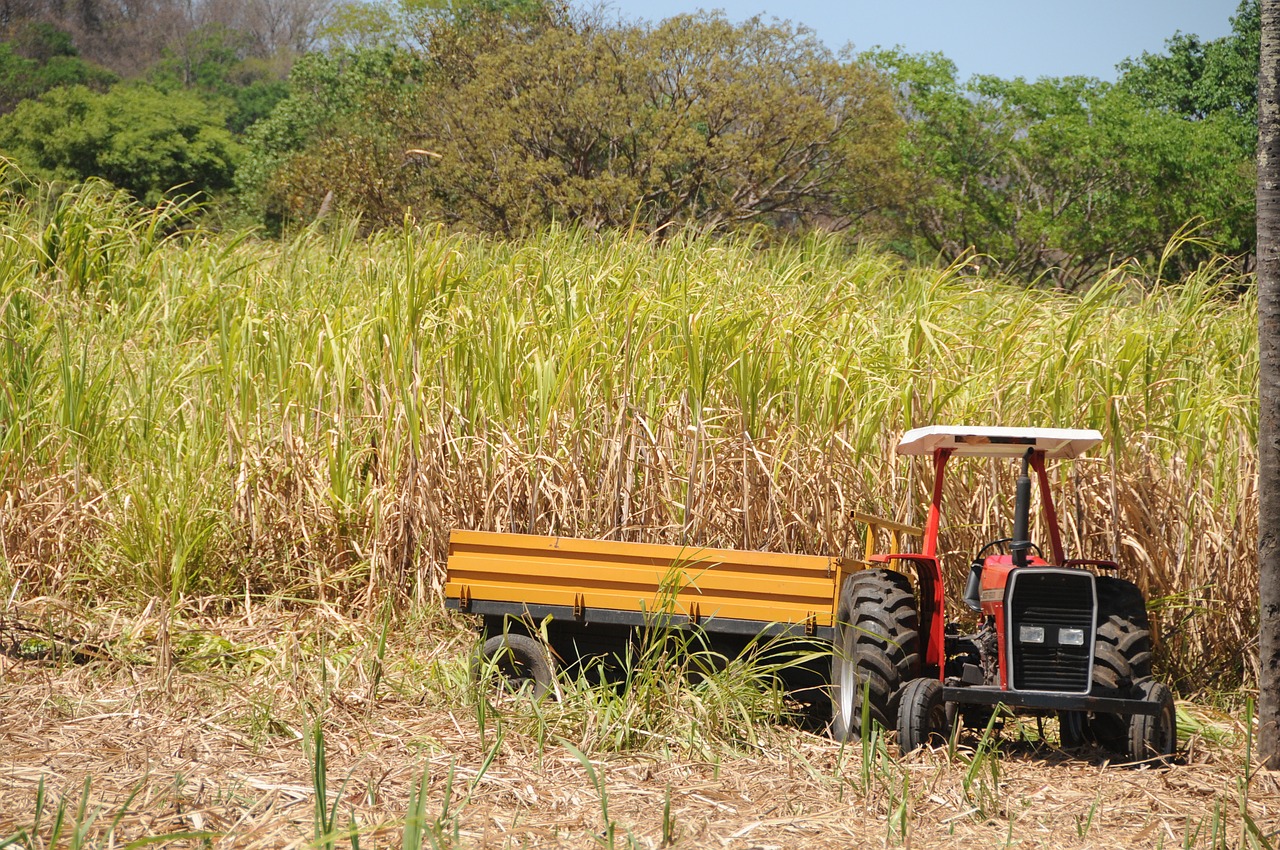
<point>1071,637</point>
<point>1031,634</point>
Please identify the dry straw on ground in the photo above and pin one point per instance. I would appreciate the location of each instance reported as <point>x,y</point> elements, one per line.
<point>216,748</point>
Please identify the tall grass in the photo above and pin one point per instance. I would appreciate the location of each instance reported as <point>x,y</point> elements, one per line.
<point>198,413</point>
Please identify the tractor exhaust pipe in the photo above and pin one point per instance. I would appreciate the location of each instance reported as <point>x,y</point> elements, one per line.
<point>1022,514</point>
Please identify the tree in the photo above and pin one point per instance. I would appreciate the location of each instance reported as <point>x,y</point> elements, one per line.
<point>957,147</point>
<point>142,140</point>
<point>1062,177</point>
<point>758,122</point>
<point>128,37</point>
<point>328,94</point>
<point>1098,176</point>
<point>41,57</point>
<point>1269,386</point>
<point>215,62</point>
<point>532,114</point>
<point>1199,79</point>
<point>356,24</point>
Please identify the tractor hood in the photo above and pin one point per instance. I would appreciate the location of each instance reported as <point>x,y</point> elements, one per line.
<point>981,441</point>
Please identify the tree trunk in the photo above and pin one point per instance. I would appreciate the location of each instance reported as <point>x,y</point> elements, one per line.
<point>1269,388</point>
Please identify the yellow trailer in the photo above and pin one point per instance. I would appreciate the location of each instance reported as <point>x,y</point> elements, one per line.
<point>592,594</point>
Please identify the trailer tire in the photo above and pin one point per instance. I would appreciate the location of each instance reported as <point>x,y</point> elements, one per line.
<point>875,650</point>
<point>517,662</point>
<point>1121,655</point>
<point>922,715</point>
<point>1154,737</point>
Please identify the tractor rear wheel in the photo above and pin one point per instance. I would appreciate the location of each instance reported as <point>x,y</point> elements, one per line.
<point>1121,655</point>
<point>876,650</point>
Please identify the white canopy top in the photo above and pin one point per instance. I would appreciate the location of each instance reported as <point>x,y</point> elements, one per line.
<point>980,441</point>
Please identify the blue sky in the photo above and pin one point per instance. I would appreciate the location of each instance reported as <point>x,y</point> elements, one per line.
<point>1028,38</point>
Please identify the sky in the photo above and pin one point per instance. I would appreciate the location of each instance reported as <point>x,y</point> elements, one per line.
<point>1007,38</point>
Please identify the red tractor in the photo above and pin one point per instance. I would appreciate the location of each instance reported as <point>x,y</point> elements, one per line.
<point>1054,634</point>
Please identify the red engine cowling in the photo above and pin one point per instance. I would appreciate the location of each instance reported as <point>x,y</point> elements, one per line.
<point>995,581</point>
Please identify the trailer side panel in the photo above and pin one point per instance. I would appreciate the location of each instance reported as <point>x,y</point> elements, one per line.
<point>593,575</point>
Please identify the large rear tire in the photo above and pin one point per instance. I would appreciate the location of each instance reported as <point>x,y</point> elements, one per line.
<point>1121,656</point>
<point>876,650</point>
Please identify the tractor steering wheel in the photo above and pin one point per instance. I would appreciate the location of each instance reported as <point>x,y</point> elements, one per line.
<point>1001,542</point>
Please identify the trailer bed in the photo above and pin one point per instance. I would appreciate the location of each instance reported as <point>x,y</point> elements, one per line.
<point>607,582</point>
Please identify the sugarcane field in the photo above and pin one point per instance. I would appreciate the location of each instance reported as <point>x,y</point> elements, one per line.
<point>526,424</point>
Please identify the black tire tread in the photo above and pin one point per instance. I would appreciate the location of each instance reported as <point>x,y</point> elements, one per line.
<point>1121,654</point>
<point>1154,737</point>
<point>526,652</point>
<point>880,606</point>
<point>921,715</point>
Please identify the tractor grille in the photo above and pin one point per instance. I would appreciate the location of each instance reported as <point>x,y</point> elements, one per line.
<point>1050,622</point>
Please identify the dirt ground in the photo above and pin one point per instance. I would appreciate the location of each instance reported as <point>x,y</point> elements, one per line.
<point>214,748</point>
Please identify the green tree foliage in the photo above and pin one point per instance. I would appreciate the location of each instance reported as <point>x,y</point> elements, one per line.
<point>141,139</point>
<point>532,115</point>
<point>215,61</point>
<point>1201,79</point>
<point>328,93</point>
<point>516,113</point>
<point>1065,176</point>
<point>40,57</point>
<point>357,25</point>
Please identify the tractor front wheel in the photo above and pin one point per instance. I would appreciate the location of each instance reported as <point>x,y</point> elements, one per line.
<point>876,650</point>
<point>922,715</point>
<point>1154,737</point>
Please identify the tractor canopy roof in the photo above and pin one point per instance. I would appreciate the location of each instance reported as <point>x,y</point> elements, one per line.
<point>981,441</point>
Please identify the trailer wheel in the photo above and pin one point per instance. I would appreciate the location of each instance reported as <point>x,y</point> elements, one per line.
<point>876,649</point>
<point>922,715</point>
<point>1121,655</point>
<point>514,662</point>
<point>1154,737</point>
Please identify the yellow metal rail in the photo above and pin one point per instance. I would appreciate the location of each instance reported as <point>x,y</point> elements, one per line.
<point>875,523</point>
